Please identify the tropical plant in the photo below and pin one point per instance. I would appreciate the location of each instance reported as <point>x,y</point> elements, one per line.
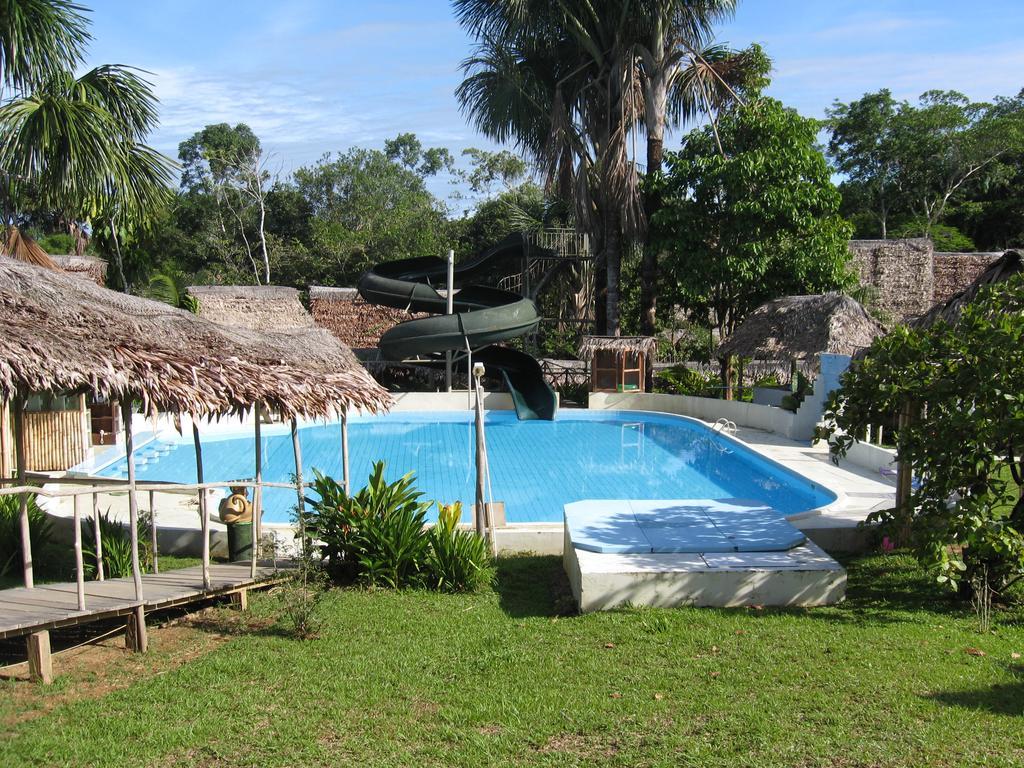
<point>72,145</point>
<point>40,533</point>
<point>116,544</point>
<point>959,391</point>
<point>755,222</point>
<point>375,535</point>
<point>459,560</point>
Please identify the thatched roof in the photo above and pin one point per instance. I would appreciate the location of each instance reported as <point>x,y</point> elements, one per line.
<point>87,267</point>
<point>621,344</point>
<point>64,333</point>
<point>1004,267</point>
<point>257,307</point>
<point>351,318</point>
<point>20,246</point>
<point>799,327</point>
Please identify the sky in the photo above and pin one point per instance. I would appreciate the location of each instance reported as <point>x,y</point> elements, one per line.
<point>313,76</point>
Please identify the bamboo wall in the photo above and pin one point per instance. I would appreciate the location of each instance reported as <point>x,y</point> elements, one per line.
<point>6,441</point>
<point>56,439</point>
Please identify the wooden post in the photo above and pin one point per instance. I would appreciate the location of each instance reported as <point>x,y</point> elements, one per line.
<point>22,461</point>
<point>257,492</point>
<point>301,508</point>
<point>152,530</point>
<point>40,663</point>
<point>344,450</point>
<point>240,599</point>
<point>79,563</point>
<point>137,639</point>
<point>97,535</point>
<point>5,438</point>
<point>204,518</point>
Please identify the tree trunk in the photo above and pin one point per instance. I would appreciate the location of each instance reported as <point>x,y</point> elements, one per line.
<point>649,262</point>
<point>613,269</point>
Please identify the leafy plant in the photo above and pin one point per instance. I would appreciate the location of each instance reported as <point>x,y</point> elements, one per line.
<point>459,560</point>
<point>40,533</point>
<point>116,544</point>
<point>376,535</point>
<point>682,380</point>
<point>959,390</point>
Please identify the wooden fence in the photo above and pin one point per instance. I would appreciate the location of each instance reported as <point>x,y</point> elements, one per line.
<point>56,440</point>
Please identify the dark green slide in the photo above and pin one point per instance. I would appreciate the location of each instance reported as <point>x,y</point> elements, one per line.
<point>482,316</point>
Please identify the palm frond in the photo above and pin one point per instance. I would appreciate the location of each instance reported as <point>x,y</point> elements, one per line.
<point>39,39</point>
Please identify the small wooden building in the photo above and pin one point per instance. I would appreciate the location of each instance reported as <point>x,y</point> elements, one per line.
<point>618,363</point>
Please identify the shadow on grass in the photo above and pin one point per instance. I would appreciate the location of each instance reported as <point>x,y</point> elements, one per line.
<point>533,585</point>
<point>999,699</point>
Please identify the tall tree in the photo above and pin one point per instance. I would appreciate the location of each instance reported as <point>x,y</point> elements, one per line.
<point>752,222</point>
<point>74,145</point>
<point>556,80</point>
<point>863,146</point>
<point>228,164</point>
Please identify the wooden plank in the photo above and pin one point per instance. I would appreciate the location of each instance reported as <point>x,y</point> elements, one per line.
<point>51,606</point>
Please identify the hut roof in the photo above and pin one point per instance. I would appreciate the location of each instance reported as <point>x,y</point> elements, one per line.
<point>622,344</point>
<point>87,267</point>
<point>353,320</point>
<point>65,333</point>
<point>258,307</point>
<point>1004,267</point>
<point>799,327</point>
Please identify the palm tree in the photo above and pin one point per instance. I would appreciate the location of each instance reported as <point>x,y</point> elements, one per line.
<point>74,145</point>
<point>552,77</point>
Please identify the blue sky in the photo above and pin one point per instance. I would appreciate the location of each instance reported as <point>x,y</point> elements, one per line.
<point>311,76</point>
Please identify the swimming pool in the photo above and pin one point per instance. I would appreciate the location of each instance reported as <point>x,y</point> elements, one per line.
<point>536,466</point>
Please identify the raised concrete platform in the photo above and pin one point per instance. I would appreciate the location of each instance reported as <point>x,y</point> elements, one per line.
<point>803,576</point>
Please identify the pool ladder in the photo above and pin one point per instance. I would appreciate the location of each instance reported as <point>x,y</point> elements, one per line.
<point>724,425</point>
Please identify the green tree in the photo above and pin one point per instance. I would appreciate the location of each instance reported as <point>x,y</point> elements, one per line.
<point>554,79</point>
<point>918,163</point>
<point>228,164</point>
<point>367,208</point>
<point>757,222</point>
<point>71,145</point>
<point>863,146</point>
<point>961,389</point>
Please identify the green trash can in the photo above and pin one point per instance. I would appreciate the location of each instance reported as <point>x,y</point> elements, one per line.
<point>239,541</point>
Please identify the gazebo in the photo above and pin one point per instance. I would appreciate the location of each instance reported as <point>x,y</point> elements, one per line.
<point>64,334</point>
<point>794,329</point>
<point>618,363</point>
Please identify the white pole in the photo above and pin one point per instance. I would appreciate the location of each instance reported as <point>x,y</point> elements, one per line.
<point>21,445</point>
<point>257,492</point>
<point>97,535</point>
<point>79,564</point>
<point>451,307</point>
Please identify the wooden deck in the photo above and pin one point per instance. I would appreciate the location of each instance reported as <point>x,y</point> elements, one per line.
<point>50,606</point>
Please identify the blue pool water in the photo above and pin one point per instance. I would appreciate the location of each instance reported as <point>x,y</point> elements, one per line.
<point>536,466</point>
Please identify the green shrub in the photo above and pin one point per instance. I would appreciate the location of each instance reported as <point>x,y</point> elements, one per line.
<point>459,560</point>
<point>376,535</point>
<point>681,380</point>
<point>40,532</point>
<point>117,547</point>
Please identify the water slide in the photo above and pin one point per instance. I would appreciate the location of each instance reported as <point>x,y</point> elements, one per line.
<point>482,317</point>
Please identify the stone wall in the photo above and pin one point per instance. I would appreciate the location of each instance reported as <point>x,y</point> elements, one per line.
<point>355,322</point>
<point>911,277</point>
<point>258,307</point>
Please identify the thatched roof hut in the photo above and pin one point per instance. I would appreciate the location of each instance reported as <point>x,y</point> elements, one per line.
<point>639,345</point>
<point>257,307</point>
<point>1001,269</point>
<point>800,327</point>
<point>64,333</point>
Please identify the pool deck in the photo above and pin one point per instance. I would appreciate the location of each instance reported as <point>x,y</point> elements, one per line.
<point>834,528</point>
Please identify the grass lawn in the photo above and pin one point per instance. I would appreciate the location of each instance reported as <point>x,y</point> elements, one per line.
<point>897,675</point>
